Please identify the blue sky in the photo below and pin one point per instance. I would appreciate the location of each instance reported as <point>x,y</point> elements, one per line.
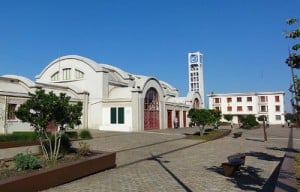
<point>242,40</point>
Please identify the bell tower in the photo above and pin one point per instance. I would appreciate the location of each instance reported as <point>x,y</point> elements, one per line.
<point>195,66</point>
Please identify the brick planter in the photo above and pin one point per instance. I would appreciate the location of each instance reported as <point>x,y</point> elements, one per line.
<point>47,178</point>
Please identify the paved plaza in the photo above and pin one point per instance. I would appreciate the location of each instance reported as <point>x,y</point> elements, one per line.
<point>165,161</point>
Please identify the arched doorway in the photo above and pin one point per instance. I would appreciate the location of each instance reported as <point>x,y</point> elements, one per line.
<point>196,104</point>
<point>151,110</point>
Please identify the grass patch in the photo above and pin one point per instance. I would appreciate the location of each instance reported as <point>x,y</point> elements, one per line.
<point>298,169</point>
<point>208,135</point>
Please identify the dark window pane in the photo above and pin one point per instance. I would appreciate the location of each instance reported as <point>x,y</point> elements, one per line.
<point>113,115</point>
<point>121,115</point>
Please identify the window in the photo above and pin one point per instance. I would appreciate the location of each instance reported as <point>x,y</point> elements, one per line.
<point>229,99</point>
<point>239,99</point>
<point>263,108</point>
<point>217,100</point>
<point>249,99</point>
<point>78,74</point>
<point>67,74</point>
<point>278,117</point>
<point>229,108</point>
<point>277,108</point>
<point>239,108</point>
<point>55,76</point>
<point>217,108</point>
<point>11,111</point>
<point>250,108</point>
<point>117,115</point>
<point>277,98</point>
<point>263,98</point>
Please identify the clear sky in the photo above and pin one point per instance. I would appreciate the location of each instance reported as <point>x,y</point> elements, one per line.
<point>242,40</point>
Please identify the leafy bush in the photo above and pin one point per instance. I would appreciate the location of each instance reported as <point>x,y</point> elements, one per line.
<point>26,161</point>
<point>248,122</point>
<point>72,134</point>
<point>19,136</point>
<point>85,134</point>
<point>84,149</point>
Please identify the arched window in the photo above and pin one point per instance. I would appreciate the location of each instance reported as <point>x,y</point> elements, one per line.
<point>151,102</point>
<point>55,76</point>
<point>78,74</point>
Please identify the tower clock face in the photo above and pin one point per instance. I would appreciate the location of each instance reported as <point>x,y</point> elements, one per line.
<point>194,58</point>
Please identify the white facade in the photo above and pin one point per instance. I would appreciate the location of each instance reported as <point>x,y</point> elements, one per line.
<point>112,98</point>
<point>195,68</point>
<point>270,104</point>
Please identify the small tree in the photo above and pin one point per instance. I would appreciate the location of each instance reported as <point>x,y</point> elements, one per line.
<point>43,108</point>
<point>228,117</point>
<point>290,116</point>
<point>216,115</point>
<point>263,118</point>
<point>203,117</point>
<point>293,62</point>
<point>248,121</point>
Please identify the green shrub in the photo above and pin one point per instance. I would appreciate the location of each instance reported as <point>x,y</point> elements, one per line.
<point>85,134</point>
<point>248,122</point>
<point>26,161</point>
<point>19,136</point>
<point>72,134</point>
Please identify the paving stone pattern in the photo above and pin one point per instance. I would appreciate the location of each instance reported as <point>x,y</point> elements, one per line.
<point>165,161</point>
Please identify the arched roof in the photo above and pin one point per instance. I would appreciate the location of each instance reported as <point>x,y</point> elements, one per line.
<point>92,64</point>
<point>15,84</point>
<point>22,79</point>
<point>85,60</point>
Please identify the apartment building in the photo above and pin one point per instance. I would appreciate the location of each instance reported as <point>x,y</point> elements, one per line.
<point>270,104</point>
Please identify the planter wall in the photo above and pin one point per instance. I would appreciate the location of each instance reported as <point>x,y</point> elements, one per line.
<point>11,144</point>
<point>47,178</point>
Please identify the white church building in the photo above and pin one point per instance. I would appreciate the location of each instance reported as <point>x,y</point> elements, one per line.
<point>112,99</point>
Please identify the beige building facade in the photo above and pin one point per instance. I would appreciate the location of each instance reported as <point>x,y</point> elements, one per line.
<point>112,99</point>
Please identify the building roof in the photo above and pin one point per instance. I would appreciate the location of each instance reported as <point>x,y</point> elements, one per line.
<point>245,94</point>
<point>13,84</point>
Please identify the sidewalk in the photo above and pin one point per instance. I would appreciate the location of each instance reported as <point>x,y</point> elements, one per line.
<point>164,161</point>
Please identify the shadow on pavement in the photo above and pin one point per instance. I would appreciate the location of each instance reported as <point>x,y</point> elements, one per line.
<point>246,179</point>
<point>264,156</point>
<point>161,163</point>
<point>251,139</point>
<point>282,149</point>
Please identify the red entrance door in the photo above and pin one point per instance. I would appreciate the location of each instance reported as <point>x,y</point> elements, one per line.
<point>184,118</point>
<point>169,118</point>
<point>151,120</point>
<point>178,118</point>
<point>151,110</point>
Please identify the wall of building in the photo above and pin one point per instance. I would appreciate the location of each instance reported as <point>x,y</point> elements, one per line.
<point>241,105</point>
<point>101,88</point>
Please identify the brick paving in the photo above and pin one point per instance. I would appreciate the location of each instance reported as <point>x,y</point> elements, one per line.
<point>164,161</point>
